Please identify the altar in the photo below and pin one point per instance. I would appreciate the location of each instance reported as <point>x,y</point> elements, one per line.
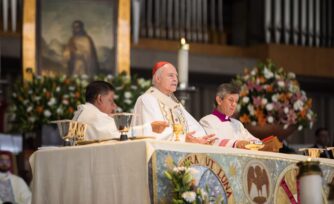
<point>133,172</point>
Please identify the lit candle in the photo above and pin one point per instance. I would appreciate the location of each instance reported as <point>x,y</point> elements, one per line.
<point>310,182</point>
<point>182,63</point>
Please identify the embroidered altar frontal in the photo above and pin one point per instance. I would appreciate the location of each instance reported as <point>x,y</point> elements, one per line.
<point>236,178</point>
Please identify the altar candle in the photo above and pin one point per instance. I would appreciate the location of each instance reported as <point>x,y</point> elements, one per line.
<point>310,182</point>
<point>182,63</point>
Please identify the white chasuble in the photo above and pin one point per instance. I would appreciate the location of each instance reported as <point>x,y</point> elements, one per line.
<point>99,125</point>
<point>152,106</point>
<point>227,132</point>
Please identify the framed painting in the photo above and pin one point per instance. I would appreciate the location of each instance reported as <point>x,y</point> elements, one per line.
<point>76,37</point>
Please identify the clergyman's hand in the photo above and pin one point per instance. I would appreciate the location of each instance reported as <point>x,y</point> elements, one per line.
<point>159,126</point>
<point>207,139</point>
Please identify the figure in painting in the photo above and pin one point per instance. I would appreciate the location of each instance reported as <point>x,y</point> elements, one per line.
<point>80,53</point>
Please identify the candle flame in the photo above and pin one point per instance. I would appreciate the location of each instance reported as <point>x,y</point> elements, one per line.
<point>183,41</point>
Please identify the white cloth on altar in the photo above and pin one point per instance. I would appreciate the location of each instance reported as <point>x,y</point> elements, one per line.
<point>21,191</point>
<point>147,110</point>
<point>227,132</point>
<point>99,125</point>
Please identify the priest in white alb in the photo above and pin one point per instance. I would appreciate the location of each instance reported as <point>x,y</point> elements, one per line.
<point>229,131</point>
<point>157,110</point>
<point>97,110</point>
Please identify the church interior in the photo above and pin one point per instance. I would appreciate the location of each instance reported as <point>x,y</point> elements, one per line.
<point>223,38</point>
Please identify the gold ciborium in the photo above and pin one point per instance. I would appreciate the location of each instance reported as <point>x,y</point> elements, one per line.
<point>71,131</point>
<point>177,131</point>
<point>312,152</point>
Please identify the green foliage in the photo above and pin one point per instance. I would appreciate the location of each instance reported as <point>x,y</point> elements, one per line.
<point>47,98</point>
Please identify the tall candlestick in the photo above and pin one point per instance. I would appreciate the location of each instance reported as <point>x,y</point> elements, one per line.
<point>182,63</point>
<point>310,182</point>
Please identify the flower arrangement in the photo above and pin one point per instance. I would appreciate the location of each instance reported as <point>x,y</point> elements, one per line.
<point>47,98</point>
<point>184,189</point>
<point>269,95</point>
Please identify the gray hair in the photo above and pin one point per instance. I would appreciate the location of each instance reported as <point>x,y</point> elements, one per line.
<point>226,89</point>
<point>158,74</point>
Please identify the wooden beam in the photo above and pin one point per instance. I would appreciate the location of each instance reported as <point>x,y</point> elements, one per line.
<point>29,40</point>
<point>123,37</point>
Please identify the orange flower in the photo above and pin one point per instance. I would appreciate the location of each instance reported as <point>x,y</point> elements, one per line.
<point>269,88</point>
<point>244,119</point>
<point>260,117</point>
<point>39,109</point>
<point>70,110</point>
<point>47,94</point>
<point>77,95</point>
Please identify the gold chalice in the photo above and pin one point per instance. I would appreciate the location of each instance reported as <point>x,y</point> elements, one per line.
<point>177,131</point>
<point>312,152</point>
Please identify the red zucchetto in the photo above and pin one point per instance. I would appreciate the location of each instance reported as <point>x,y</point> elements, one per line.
<point>158,65</point>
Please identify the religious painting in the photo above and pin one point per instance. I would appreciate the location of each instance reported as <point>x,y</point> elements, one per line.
<point>76,37</point>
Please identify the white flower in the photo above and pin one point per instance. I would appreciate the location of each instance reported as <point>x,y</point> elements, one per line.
<point>281,83</point>
<point>285,126</point>
<point>37,98</point>
<point>116,97</point>
<point>65,102</point>
<point>71,88</point>
<point>270,119</point>
<point>59,110</point>
<point>267,73</point>
<point>189,196</point>
<point>286,110</point>
<point>118,88</point>
<point>253,123</point>
<point>57,89</point>
<point>127,101</point>
<point>251,110</point>
<point>119,110</point>
<point>47,113</point>
<point>14,95</point>
<point>254,72</point>
<point>25,102</point>
<point>269,106</point>
<point>298,105</point>
<point>274,97</point>
<point>264,101</point>
<point>32,119</point>
<point>127,94</point>
<point>30,92</point>
<point>245,99</point>
<point>133,87</point>
<point>177,169</point>
<point>291,75</point>
<point>29,109</point>
<point>300,127</point>
<point>66,96</point>
<point>52,101</point>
